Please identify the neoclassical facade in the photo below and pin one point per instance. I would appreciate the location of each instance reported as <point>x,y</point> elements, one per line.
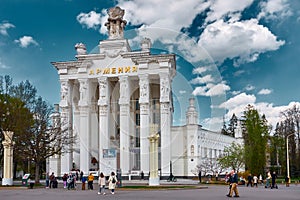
<point>112,99</point>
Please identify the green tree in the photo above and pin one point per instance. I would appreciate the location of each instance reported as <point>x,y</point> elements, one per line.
<point>233,157</point>
<point>38,140</point>
<point>256,131</point>
<point>291,125</point>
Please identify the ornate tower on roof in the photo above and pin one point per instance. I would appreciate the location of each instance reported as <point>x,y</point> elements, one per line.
<point>115,24</point>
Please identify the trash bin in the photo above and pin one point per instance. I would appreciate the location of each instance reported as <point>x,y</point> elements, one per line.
<point>31,183</point>
<point>25,180</point>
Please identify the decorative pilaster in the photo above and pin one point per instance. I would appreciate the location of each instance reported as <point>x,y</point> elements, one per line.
<point>84,130</point>
<point>144,122</point>
<point>124,124</point>
<point>165,123</point>
<point>103,119</point>
<point>8,145</point>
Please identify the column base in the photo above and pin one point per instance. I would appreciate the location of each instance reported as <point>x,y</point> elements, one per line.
<point>7,181</point>
<point>153,181</point>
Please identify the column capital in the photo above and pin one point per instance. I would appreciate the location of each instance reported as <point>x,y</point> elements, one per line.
<point>103,91</point>
<point>144,108</point>
<point>124,109</point>
<point>165,108</point>
<point>103,110</point>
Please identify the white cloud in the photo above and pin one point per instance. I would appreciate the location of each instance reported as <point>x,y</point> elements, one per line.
<point>273,9</point>
<point>221,8</point>
<point>237,104</point>
<point>249,87</point>
<point>4,27</point>
<point>25,41</point>
<point>243,40</point>
<point>90,20</point>
<point>200,80</point>
<point>239,101</point>
<point>211,89</point>
<point>201,69</point>
<point>265,91</point>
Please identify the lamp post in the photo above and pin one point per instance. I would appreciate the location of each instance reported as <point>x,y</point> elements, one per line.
<point>287,157</point>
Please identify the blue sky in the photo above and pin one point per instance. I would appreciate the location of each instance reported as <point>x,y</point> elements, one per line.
<point>229,54</point>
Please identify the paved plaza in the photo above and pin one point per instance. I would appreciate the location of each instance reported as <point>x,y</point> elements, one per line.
<point>205,191</point>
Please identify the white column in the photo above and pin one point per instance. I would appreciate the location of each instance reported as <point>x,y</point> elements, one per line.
<point>103,103</point>
<point>84,129</point>
<point>8,158</point>
<point>165,123</point>
<point>153,179</point>
<point>144,122</point>
<point>124,124</point>
<point>65,162</point>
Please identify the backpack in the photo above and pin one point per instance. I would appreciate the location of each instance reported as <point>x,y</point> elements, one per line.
<point>113,180</point>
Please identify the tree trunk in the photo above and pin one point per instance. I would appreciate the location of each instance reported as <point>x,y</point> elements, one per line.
<point>37,173</point>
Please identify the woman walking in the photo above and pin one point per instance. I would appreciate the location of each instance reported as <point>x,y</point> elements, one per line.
<point>101,183</point>
<point>112,181</point>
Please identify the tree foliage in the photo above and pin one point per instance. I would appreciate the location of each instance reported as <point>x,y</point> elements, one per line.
<point>289,126</point>
<point>233,157</point>
<point>255,131</point>
<point>30,119</point>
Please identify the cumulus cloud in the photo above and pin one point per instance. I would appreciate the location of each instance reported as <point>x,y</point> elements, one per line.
<point>221,8</point>
<point>201,80</point>
<point>237,104</point>
<point>240,100</point>
<point>242,40</point>
<point>211,90</point>
<point>25,41</point>
<point>90,20</point>
<point>273,9</point>
<point>4,27</point>
<point>225,35</point>
<point>265,91</point>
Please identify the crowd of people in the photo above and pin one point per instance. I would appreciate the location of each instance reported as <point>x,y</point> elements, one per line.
<point>70,181</point>
<point>253,181</point>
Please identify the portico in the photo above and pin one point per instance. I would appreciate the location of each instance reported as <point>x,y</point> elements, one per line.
<point>110,99</point>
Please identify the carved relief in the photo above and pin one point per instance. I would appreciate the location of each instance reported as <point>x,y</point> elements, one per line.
<point>124,90</point>
<point>64,90</point>
<point>83,90</point>
<point>164,90</point>
<point>102,88</point>
<point>144,89</point>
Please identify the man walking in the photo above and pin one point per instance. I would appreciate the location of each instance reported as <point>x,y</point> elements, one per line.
<point>234,183</point>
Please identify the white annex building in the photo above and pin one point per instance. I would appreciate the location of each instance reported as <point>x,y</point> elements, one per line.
<point>111,101</point>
